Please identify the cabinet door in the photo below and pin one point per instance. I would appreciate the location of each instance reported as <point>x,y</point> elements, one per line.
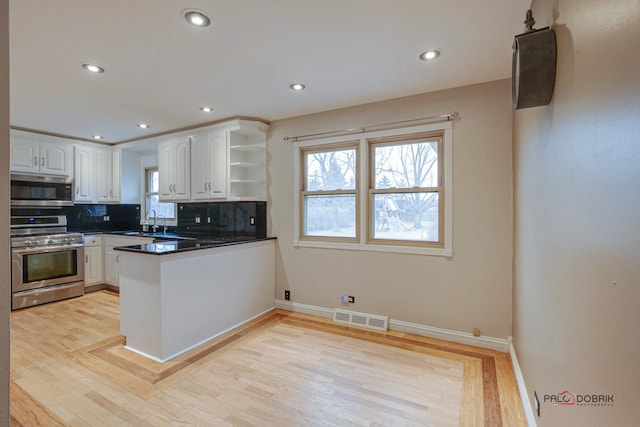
<point>55,158</point>
<point>93,265</point>
<point>209,166</point>
<point>218,159</point>
<point>24,155</point>
<point>84,174</point>
<point>116,175</point>
<point>182,172</point>
<point>103,175</point>
<point>165,170</point>
<point>200,167</point>
<point>111,266</point>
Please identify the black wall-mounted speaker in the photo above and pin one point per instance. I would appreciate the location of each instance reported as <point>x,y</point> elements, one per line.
<point>533,68</point>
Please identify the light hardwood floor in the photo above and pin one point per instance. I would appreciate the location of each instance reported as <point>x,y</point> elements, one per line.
<point>69,367</point>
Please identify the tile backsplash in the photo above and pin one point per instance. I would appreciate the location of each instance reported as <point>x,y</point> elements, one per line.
<point>223,219</point>
<point>207,219</point>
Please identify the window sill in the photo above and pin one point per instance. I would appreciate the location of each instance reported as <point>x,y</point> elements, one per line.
<point>412,250</point>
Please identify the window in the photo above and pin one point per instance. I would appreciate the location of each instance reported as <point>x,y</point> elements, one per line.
<point>404,201</point>
<point>330,192</point>
<point>405,189</point>
<point>164,210</point>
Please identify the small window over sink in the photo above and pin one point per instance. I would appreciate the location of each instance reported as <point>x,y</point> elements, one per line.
<point>165,212</point>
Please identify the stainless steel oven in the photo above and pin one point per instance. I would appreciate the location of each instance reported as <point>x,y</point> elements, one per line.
<point>47,263</point>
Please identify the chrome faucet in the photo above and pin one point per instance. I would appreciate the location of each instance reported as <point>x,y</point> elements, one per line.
<point>164,223</point>
<point>155,220</point>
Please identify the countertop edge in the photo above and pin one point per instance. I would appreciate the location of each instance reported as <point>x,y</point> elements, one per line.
<point>139,249</point>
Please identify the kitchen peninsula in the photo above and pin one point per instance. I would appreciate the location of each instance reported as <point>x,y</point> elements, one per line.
<point>176,295</point>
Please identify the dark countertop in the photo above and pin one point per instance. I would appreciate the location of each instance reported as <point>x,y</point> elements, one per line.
<point>164,247</point>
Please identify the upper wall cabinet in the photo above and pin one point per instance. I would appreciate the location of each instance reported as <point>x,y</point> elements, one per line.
<point>247,161</point>
<point>40,157</point>
<point>174,169</point>
<point>209,165</point>
<point>101,178</point>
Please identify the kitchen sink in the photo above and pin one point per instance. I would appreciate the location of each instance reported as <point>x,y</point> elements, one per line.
<point>154,234</point>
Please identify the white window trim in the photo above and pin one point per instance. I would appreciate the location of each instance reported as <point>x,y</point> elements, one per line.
<point>143,200</point>
<point>446,250</point>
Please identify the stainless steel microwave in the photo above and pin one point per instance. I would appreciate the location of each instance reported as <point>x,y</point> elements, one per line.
<point>38,190</point>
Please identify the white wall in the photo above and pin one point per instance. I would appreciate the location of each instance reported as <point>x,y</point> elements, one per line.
<point>471,289</point>
<point>577,217</point>
<point>5,280</point>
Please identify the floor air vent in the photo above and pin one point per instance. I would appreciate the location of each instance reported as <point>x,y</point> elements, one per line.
<point>371,321</point>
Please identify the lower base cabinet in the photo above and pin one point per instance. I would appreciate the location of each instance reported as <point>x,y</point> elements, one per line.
<point>93,271</point>
<point>112,257</point>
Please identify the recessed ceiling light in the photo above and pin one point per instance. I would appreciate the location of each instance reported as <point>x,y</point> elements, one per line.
<point>143,125</point>
<point>97,136</point>
<point>206,109</point>
<point>297,86</point>
<point>430,54</point>
<point>197,18</point>
<point>93,68</point>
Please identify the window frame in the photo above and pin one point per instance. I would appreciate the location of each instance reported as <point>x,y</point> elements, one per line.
<point>365,199</point>
<point>405,139</point>
<point>352,144</point>
<point>144,214</point>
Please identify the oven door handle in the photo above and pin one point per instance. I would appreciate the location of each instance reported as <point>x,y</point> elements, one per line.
<point>46,249</point>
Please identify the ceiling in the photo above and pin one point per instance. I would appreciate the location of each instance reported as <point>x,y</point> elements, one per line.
<point>160,70</point>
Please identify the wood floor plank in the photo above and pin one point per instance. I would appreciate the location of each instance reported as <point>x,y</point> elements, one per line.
<point>69,367</point>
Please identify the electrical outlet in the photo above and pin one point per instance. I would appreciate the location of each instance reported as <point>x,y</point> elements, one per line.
<point>476,332</point>
<point>197,220</point>
<point>536,402</point>
<point>106,218</point>
<point>252,220</point>
<point>352,299</point>
<point>287,295</point>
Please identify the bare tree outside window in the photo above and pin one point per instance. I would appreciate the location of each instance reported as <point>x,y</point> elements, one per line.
<point>330,193</point>
<point>405,183</point>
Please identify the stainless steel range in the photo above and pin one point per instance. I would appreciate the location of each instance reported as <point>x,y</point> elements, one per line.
<point>47,262</point>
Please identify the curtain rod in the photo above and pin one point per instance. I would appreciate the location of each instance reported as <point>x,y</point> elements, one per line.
<point>433,119</point>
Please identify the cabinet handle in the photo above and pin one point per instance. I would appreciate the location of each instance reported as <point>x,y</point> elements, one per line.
<point>117,258</point>
<point>42,161</point>
<point>35,160</point>
<point>86,259</point>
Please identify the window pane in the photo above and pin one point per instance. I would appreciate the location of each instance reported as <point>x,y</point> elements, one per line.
<point>163,209</point>
<point>406,165</point>
<point>406,216</point>
<point>154,181</point>
<point>332,216</point>
<point>331,170</point>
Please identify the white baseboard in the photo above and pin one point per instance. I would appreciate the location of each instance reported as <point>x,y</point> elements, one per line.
<point>524,396</point>
<point>304,308</point>
<point>413,328</point>
<point>491,343</point>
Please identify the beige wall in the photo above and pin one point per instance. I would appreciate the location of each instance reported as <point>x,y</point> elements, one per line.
<point>471,289</point>
<point>577,215</point>
<point>4,213</point>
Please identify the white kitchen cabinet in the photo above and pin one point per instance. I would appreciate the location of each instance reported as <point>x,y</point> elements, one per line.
<point>40,157</point>
<point>209,165</point>
<point>174,165</point>
<point>248,161</point>
<point>108,171</point>
<point>84,174</point>
<point>93,271</point>
<point>101,178</point>
<point>112,257</point>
